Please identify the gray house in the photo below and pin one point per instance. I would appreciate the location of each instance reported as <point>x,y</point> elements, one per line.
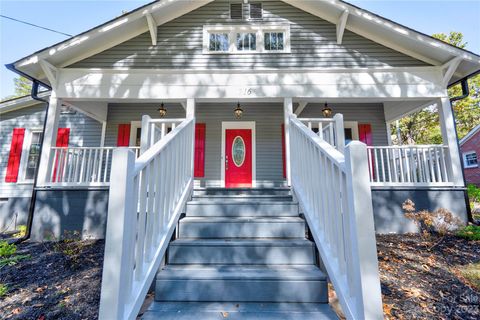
<point>232,152</point>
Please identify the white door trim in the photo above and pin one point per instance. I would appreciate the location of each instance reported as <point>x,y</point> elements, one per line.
<point>354,126</point>
<point>239,125</point>
<point>134,125</point>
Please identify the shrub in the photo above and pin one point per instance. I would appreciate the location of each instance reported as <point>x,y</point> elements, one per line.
<point>3,289</point>
<point>471,232</point>
<point>440,221</point>
<point>22,231</point>
<point>473,193</point>
<point>6,250</point>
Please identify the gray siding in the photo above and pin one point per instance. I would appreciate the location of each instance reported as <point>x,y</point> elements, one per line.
<point>84,131</point>
<point>313,44</point>
<point>363,113</point>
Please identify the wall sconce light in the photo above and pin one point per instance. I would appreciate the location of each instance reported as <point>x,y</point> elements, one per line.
<point>238,112</point>
<point>162,111</point>
<point>327,111</point>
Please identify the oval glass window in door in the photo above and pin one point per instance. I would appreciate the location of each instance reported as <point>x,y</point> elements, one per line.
<point>238,151</point>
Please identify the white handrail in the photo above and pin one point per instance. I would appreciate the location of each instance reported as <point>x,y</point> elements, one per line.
<point>154,130</point>
<point>334,193</point>
<point>146,199</point>
<point>410,165</point>
<point>82,166</point>
<point>329,129</point>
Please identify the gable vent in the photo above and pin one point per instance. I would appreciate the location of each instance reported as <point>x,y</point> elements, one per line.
<point>256,11</point>
<point>236,11</point>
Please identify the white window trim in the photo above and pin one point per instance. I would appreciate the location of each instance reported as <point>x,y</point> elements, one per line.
<point>465,164</point>
<point>134,125</point>
<point>27,141</point>
<point>232,31</point>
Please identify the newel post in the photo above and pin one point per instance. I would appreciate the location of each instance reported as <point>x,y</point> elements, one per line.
<point>360,213</point>
<point>287,111</point>
<point>339,132</point>
<point>146,138</point>
<point>119,239</point>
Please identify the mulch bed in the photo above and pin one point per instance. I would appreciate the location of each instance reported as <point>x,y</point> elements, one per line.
<point>421,279</point>
<point>59,281</point>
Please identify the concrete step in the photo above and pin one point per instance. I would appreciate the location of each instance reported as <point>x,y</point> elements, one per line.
<point>242,191</point>
<point>242,197</point>
<point>232,208</point>
<point>242,251</point>
<point>241,227</point>
<point>195,283</point>
<point>237,311</point>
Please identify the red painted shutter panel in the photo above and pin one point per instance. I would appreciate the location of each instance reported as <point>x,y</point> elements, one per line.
<point>365,133</point>
<point>283,152</point>
<point>15,155</point>
<point>63,136</point>
<point>123,138</point>
<point>199,168</point>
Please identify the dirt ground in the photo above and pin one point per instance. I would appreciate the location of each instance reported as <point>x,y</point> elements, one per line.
<point>420,278</point>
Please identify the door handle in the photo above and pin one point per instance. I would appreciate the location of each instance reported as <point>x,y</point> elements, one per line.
<point>226,162</point>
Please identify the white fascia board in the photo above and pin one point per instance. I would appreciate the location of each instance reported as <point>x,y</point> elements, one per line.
<point>469,135</point>
<point>106,36</point>
<point>50,71</point>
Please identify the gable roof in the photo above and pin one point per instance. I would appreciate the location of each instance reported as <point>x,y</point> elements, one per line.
<point>469,135</point>
<point>359,21</point>
<point>21,102</point>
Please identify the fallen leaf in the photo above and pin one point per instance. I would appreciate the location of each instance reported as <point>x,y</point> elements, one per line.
<point>224,314</point>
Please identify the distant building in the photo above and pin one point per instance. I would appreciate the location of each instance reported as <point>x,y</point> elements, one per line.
<point>470,147</point>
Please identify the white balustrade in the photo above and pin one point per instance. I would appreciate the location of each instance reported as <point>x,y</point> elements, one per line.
<point>82,166</point>
<point>154,130</point>
<point>411,165</point>
<point>146,198</point>
<point>328,129</point>
<point>333,190</point>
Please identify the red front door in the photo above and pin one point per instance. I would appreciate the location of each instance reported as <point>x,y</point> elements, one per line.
<point>238,158</point>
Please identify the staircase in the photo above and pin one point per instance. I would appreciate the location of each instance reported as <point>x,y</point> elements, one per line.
<point>241,254</point>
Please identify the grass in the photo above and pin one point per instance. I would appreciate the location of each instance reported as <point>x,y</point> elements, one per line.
<point>471,232</point>
<point>3,289</point>
<point>471,273</point>
<point>8,256</point>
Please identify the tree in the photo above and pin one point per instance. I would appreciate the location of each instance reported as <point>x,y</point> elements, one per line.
<point>23,86</point>
<point>423,127</point>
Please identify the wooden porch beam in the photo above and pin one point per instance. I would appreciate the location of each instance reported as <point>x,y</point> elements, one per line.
<point>341,24</point>
<point>51,72</point>
<point>152,27</point>
<point>300,107</point>
<point>449,69</point>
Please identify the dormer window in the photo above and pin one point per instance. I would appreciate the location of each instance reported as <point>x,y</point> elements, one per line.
<point>236,11</point>
<point>246,41</point>
<point>256,11</point>
<point>218,42</point>
<point>274,41</point>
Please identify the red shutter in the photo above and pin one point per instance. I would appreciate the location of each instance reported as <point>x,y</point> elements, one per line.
<point>365,133</point>
<point>199,168</point>
<point>283,152</point>
<point>123,138</point>
<point>15,155</point>
<point>63,137</point>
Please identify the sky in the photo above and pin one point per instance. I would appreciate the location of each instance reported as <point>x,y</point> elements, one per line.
<point>73,17</point>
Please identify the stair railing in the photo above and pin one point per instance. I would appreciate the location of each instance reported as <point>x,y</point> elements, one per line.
<point>333,190</point>
<point>146,198</point>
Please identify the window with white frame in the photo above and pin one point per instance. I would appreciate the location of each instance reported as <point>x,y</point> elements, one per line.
<point>265,38</point>
<point>30,154</point>
<point>246,41</point>
<point>218,42</point>
<point>274,41</point>
<point>470,159</point>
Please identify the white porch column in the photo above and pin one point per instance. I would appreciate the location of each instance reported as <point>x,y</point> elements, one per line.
<point>287,111</point>
<point>447,124</point>
<point>389,133</point>
<point>49,139</point>
<point>190,109</point>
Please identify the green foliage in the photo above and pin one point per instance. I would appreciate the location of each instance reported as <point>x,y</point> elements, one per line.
<point>71,246</point>
<point>3,289</point>
<point>23,86</point>
<point>473,193</point>
<point>22,231</point>
<point>423,127</point>
<point>7,250</point>
<point>471,232</point>
<point>471,272</point>
<point>13,260</point>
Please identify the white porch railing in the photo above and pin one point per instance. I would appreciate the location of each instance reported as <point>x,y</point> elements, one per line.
<point>146,198</point>
<point>329,129</point>
<point>334,193</point>
<point>413,165</point>
<point>82,166</point>
<point>154,130</point>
